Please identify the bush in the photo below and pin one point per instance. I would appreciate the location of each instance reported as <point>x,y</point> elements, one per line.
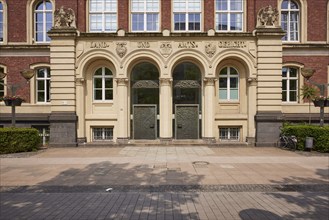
<point>319,134</point>
<point>13,140</point>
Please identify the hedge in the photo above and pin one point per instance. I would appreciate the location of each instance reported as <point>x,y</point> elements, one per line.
<point>13,140</point>
<point>320,136</point>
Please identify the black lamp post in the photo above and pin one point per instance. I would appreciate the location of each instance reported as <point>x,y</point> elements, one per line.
<point>26,74</point>
<point>308,73</point>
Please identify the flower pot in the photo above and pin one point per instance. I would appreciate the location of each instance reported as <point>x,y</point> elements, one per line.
<point>326,103</point>
<point>319,103</point>
<point>15,102</point>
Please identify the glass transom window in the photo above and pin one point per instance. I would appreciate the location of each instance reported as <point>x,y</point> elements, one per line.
<point>289,84</point>
<point>145,15</point>
<point>43,85</point>
<point>103,84</point>
<point>1,22</point>
<point>229,84</point>
<point>103,15</point>
<point>187,15</point>
<point>43,21</point>
<point>290,20</point>
<point>100,134</point>
<point>229,15</point>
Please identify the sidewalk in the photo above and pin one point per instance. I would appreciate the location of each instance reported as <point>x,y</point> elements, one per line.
<point>164,183</point>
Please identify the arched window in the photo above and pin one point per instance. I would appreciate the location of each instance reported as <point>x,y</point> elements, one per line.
<point>43,21</point>
<point>1,22</point>
<point>290,20</point>
<point>289,84</point>
<point>187,15</point>
<point>229,84</point>
<point>103,15</point>
<point>103,84</point>
<point>229,15</point>
<point>43,85</point>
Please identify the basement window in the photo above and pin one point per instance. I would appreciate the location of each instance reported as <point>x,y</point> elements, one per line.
<point>102,134</point>
<point>229,133</point>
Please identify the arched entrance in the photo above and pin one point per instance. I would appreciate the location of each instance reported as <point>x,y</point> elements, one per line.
<point>187,101</point>
<point>145,101</point>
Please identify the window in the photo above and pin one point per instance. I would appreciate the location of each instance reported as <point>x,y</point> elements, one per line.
<point>102,134</point>
<point>229,15</point>
<point>1,22</point>
<point>2,88</point>
<point>229,84</point>
<point>290,20</point>
<point>187,15</point>
<point>289,84</point>
<point>145,15</point>
<point>43,20</point>
<point>43,85</point>
<point>103,15</point>
<point>103,84</point>
<point>229,134</point>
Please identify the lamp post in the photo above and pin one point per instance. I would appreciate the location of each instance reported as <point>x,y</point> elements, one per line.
<point>307,73</point>
<point>26,74</point>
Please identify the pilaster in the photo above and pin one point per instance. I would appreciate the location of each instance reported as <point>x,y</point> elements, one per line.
<point>165,109</point>
<point>122,125</point>
<point>209,109</point>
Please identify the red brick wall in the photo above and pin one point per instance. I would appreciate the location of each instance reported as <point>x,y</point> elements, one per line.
<point>123,12</point>
<point>209,15</point>
<point>14,66</point>
<point>165,15</point>
<point>317,20</point>
<point>17,20</point>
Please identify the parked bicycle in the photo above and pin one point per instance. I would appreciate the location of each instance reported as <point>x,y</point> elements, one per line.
<point>288,142</point>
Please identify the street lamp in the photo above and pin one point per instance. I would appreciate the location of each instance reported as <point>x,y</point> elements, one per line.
<point>26,74</point>
<point>307,73</point>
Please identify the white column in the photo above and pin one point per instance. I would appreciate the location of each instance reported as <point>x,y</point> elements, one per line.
<point>209,109</point>
<point>165,108</point>
<point>122,95</point>
<point>80,107</point>
<point>252,109</point>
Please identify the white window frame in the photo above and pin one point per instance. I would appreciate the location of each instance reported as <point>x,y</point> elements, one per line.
<point>103,131</point>
<point>287,37</point>
<point>145,12</point>
<point>46,80</point>
<point>103,89</point>
<point>2,31</point>
<point>44,12</point>
<point>187,12</point>
<point>103,13</point>
<point>229,12</point>
<point>229,134</point>
<point>288,78</point>
<point>2,88</point>
<point>228,76</point>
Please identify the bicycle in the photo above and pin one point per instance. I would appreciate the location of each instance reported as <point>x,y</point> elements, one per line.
<point>288,142</point>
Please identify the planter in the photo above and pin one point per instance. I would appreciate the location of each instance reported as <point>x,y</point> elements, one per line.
<point>15,102</point>
<point>321,103</point>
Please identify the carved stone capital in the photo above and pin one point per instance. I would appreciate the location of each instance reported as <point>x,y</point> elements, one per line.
<point>80,81</point>
<point>122,81</point>
<point>121,49</point>
<point>210,81</point>
<point>166,81</point>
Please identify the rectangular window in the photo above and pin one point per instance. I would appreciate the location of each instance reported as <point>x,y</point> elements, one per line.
<point>145,15</point>
<point>229,15</point>
<point>1,22</point>
<point>229,134</point>
<point>2,88</point>
<point>43,85</point>
<point>103,15</point>
<point>187,15</point>
<point>289,84</point>
<point>102,134</point>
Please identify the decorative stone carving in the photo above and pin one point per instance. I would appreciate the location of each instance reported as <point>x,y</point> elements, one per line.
<point>121,49</point>
<point>210,81</point>
<point>165,81</point>
<point>187,84</point>
<point>149,84</point>
<point>268,17</point>
<point>80,49</point>
<point>210,49</point>
<point>165,49</point>
<point>64,18</point>
<point>99,44</point>
<point>232,44</point>
<point>122,81</point>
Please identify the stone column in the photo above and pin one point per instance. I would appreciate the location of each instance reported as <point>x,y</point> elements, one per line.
<point>165,109</point>
<point>80,83</point>
<point>209,110</point>
<point>252,109</point>
<point>63,118</point>
<point>122,125</point>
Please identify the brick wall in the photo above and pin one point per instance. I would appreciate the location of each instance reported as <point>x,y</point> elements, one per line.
<point>17,20</point>
<point>209,19</point>
<point>166,15</point>
<point>317,20</point>
<point>123,11</point>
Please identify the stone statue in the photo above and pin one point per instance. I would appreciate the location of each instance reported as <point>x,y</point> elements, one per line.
<point>64,18</point>
<point>268,17</point>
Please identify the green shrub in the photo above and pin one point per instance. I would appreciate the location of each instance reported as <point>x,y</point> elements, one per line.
<point>320,136</point>
<point>13,140</point>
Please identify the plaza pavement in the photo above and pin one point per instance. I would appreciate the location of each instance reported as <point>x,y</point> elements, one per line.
<point>174,182</point>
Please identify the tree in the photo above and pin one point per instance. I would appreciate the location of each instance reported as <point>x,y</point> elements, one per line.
<point>309,92</point>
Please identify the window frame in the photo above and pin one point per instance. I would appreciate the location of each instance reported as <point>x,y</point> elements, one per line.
<point>289,79</point>
<point>103,133</point>
<point>2,22</point>
<point>44,12</point>
<point>288,11</point>
<point>103,13</point>
<point>229,12</point>
<point>229,131</point>
<point>145,14</point>
<point>187,12</point>
<point>228,76</point>
<point>103,77</point>
<point>46,80</point>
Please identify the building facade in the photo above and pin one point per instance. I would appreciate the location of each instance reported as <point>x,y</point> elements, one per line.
<point>218,71</point>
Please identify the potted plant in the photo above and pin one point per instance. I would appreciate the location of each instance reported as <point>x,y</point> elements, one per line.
<point>12,100</point>
<point>309,93</point>
<point>321,101</point>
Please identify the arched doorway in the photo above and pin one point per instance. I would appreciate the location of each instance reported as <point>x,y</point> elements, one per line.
<point>187,101</point>
<point>145,101</point>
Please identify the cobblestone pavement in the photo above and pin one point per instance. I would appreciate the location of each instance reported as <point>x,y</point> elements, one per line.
<point>164,183</point>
